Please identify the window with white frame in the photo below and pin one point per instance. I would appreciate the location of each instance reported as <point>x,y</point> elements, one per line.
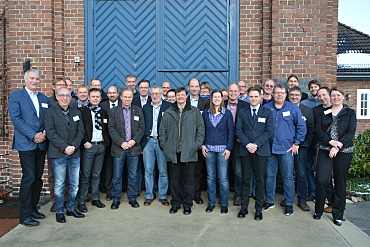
<point>363,104</point>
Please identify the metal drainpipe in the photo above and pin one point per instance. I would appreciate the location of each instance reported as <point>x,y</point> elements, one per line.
<point>3,84</point>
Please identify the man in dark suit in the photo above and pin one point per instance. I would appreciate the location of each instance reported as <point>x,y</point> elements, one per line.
<point>254,127</point>
<point>235,105</point>
<point>143,98</point>
<point>95,121</point>
<point>96,83</point>
<point>303,160</point>
<point>107,170</point>
<point>65,131</point>
<point>200,173</point>
<point>126,128</point>
<point>26,109</point>
<point>57,84</point>
<point>151,150</point>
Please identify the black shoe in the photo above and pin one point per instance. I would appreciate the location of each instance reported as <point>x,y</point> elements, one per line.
<point>337,222</point>
<point>288,210</point>
<point>37,215</point>
<point>258,216</point>
<point>316,216</point>
<point>98,204</point>
<point>187,210</point>
<point>154,196</point>
<point>52,209</point>
<point>237,201</point>
<point>210,208</point>
<point>29,222</point>
<point>267,206</point>
<point>224,210</point>
<point>82,208</point>
<point>75,214</point>
<point>242,213</point>
<point>310,197</point>
<point>60,218</point>
<point>108,197</point>
<point>115,205</point>
<point>198,200</point>
<point>134,203</point>
<point>173,210</point>
<point>282,204</point>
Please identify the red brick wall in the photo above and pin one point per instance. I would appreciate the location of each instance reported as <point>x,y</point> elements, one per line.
<point>350,87</point>
<point>294,37</point>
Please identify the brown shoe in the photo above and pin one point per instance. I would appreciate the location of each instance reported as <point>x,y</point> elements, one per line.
<point>310,197</point>
<point>148,202</point>
<point>328,209</point>
<point>164,202</point>
<point>303,206</point>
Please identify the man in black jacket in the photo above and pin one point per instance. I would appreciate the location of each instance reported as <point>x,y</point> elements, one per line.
<point>95,121</point>
<point>65,131</point>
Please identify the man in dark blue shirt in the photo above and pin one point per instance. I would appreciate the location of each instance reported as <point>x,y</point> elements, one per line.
<point>289,132</point>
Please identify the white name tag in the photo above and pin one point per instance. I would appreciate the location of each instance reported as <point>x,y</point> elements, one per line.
<point>304,118</point>
<point>286,114</point>
<point>262,120</point>
<point>76,118</point>
<point>327,112</point>
<point>44,105</point>
<point>136,118</point>
<point>162,113</point>
<point>105,120</point>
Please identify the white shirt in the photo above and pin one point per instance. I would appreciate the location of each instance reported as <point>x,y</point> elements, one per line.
<point>35,100</point>
<point>257,108</point>
<point>115,104</point>
<point>97,135</point>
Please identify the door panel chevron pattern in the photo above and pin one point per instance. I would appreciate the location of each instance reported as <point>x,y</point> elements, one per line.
<point>124,40</point>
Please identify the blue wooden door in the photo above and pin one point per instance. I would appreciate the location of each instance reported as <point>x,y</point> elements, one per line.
<point>162,41</point>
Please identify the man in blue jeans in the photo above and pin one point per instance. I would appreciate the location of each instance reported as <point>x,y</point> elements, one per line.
<point>289,132</point>
<point>65,131</point>
<point>126,128</point>
<point>152,152</point>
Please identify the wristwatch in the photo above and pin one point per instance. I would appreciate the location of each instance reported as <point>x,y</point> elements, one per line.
<point>296,143</point>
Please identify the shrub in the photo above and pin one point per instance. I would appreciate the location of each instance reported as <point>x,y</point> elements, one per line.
<point>360,166</point>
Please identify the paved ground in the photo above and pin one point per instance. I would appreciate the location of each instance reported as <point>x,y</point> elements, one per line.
<point>154,226</point>
<point>359,214</point>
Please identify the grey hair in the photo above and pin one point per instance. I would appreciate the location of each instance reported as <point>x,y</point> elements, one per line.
<point>233,83</point>
<point>160,88</point>
<point>33,70</point>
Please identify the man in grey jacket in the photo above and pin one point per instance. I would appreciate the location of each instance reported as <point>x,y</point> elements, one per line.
<point>181,134</point>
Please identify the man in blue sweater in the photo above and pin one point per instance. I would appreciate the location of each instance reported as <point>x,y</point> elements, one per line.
<point>289,132</point>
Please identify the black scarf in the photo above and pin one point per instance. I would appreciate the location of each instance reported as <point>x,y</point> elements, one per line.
<point>97,111</point>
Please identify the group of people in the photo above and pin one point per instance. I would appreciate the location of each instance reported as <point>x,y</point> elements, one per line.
<point>184,143</point>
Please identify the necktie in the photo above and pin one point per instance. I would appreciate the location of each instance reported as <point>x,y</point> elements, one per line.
<point>254,115</point>
<point>113,105</point>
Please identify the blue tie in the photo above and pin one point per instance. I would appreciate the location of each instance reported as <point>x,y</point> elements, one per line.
<point>254,115</point>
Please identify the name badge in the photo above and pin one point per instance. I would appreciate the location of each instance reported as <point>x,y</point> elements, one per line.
<point>262,120</point>
<point>286,114</point>
<point>162,113</point>
<point>327,112</point>
<point>105,120</point>
<point>76,118</point>
<point>44,105</point>
<point>136,118</point>
<point>304,118</point>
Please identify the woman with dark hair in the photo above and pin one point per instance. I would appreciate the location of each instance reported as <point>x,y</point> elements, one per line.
<point>294,81</point>
<point>335,130</point>
<point>205,90</point>
<point>217,145</point>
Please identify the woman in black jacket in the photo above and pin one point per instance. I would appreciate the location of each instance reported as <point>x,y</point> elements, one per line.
<point>335,129</point>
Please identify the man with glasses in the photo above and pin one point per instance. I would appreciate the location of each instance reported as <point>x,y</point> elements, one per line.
<point>235,105</point>
<point>57,84</point>
<point>65,131</point>
<point>26,109</point>
<point>243,91</point>
<point>289,133</point>
<point>143,98</point>
<point>268,87</point>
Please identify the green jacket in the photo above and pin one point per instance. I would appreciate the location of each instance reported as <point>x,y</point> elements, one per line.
<point>191,133</point>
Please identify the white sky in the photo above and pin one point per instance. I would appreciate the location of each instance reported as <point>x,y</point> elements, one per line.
<point>356,14</point>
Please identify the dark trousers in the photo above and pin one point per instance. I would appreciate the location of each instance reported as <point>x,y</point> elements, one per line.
<point>339,165</point>
<point>108,168</point>
<point>182,179</point>
<point>257,164</point>
<point>90,173</point>
<point>32,163</point>
<point>200,175</point>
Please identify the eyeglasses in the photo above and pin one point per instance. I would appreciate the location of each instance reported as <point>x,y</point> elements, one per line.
<point>64,95</point>
<point>295,94</point>
<point>242,86</point>
<point>270,86</point>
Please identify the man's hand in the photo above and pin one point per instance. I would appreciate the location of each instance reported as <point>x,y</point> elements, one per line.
<point>69,150</point>
<point>294,149</point>
<point>252,148</point>
<point>125,145</point>
<point>39,137</point>
<point>87,145</point>
<point>204,151</point>
<point>131,143</point>
<point>227,154</point>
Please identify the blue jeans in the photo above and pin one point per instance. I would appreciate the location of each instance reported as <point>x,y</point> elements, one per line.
<point>217,165</point>
<point>132,164</point>
<point>60,167</point>
<point>286,164</point>
<point>151,153</point>
<point>300,167</point>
